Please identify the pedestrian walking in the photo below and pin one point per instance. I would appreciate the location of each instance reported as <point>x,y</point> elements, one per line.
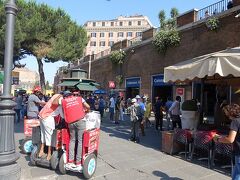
<point>18,108</point>
<point>101,106</point>
<point>135,111</point>
<point>167,107</point>
<point>158,109</point>
<point>175,113</point>
<point>117,110</point>
<point>141,114</point>
<point>112,108</point>
<point>122,106</point>
<point>147,113</point>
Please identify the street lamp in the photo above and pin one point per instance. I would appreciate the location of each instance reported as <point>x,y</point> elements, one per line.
<point>9,169</point>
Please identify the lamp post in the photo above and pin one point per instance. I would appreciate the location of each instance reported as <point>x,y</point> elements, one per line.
<point>9,169</point>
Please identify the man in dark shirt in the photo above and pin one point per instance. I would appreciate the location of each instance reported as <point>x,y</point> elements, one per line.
<point>158,113</point>
<point>233,112</point>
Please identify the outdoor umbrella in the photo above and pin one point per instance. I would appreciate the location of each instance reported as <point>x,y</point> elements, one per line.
<point>223,63</point>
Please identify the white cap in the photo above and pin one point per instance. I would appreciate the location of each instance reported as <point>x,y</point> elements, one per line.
<point>138,97</point>
<point>134,100</point>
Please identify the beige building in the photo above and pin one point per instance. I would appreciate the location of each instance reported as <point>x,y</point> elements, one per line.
<point>27,78</point>
<point>104,33</point>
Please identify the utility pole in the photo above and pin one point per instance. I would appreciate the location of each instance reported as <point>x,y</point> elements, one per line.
<point>9,169</point>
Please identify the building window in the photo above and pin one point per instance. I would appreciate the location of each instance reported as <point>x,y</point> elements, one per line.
<point>120,34</point>
<point>110,34</point>
<point>103,23</point>
<point>94,23</point>
<point>93,43</point>
<point>112,23</point>
<point>102,43</point>
<point>93,34</point>
<point>101,34</point>
<point>129,23</point>
<point>110,43</point>
<point>120,23</point>
<point>138,34</point>
<point>129,34</point>
<point>139,23</point>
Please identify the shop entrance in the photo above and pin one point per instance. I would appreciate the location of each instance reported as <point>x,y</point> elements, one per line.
<point>209,97</point>
<point>160,89</point>
<point>132,87</point>
<point>163,92</point>
<point>132,92</point>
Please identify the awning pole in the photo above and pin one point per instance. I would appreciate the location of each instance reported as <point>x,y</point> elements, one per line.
<point>201,101</point>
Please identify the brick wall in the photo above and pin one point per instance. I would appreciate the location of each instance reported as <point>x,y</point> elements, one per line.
<point>186,18</point>
<point>145,61</point>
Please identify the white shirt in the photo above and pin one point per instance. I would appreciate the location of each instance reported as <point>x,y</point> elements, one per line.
<point>112,102</point>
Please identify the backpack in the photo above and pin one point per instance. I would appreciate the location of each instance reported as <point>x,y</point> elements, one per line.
<point>73,109</point>
<point>133,113</point>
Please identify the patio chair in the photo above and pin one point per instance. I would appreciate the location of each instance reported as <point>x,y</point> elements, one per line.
<point>184,136</point>
<point>225,150</point>
<point>203,140</point>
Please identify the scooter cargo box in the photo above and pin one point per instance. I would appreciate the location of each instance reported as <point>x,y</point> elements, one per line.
<point>93,120</point>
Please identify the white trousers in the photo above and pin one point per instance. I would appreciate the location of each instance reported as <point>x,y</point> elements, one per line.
<point>47,126</point>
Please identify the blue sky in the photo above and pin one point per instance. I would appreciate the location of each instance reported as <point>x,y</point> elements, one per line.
<point>84,10</point>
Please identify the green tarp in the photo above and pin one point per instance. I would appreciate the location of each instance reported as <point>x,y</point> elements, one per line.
<point>86,87</point>
<point>69,83</point>
<point>1,77</point>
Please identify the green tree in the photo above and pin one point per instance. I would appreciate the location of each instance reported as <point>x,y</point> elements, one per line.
<point>48,87</point>
<point>167,36</point>
<point>45,33</point>
<point>168,24</point>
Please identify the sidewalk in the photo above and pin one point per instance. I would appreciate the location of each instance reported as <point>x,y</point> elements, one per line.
<point>120,158</point>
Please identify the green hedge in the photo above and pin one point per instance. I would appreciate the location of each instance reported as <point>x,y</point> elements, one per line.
<point>189,105</point>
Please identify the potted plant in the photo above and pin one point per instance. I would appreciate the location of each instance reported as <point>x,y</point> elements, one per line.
<point>189,114</point>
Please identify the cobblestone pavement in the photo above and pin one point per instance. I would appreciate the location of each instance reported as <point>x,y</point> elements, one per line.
<point>120,159</point>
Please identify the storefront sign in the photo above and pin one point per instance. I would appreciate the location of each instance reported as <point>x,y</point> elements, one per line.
<point>111,84</point>
<point>133,82</point>
<point>158,80</point>
<point>179,91</point>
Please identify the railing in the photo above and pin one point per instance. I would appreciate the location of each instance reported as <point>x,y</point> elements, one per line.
<point>214,9</point>
<point>134,41</point>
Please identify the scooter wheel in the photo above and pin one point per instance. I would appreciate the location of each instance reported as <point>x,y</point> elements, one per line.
<point>62,164</point>
<point>89,166</point>
<point>54,160</point>
<point>34,155</point>
<point>27,146</point>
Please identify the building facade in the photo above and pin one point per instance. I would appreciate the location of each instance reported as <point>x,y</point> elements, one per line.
<point>143,67</point>
<point>27,78</point>
<point>104,33</point>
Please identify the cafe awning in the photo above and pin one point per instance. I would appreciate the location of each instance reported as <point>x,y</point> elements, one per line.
<point>86,87</point>
<point>69,83</point>
<point>223,63</point>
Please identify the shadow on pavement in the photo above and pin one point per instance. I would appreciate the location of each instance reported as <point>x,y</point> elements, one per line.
<point>164,176</point>
<point>152,139</point>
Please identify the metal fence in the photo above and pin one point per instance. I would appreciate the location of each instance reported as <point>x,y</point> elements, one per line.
<point>214,9</point>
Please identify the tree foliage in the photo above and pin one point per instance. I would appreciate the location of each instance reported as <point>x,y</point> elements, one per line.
<point>46,33</point>
<point>167,36</point>
<point>117,57</point>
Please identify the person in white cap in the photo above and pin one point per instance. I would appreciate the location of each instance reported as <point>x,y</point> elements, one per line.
<point>141,114</point>
<point>134,112</point>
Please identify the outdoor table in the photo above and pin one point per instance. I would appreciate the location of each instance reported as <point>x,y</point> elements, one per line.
<point>203,140</point>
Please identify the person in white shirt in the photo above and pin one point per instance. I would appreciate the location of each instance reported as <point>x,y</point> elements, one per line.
<point>175,113</point>
<point>112,108</point>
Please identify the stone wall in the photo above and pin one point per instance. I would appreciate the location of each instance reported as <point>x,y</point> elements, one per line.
<point>143,60</point>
